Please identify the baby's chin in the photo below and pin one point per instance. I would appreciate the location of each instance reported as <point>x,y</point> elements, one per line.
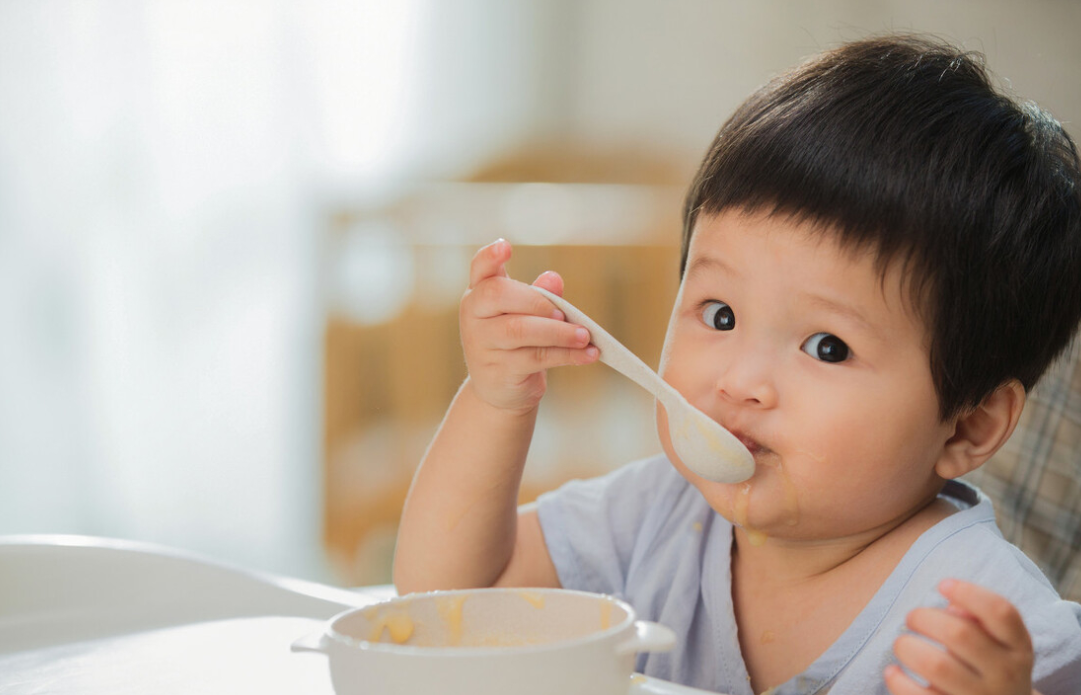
<point>765,505</point>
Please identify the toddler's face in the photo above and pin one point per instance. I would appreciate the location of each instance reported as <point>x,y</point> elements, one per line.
<point>821,368</point>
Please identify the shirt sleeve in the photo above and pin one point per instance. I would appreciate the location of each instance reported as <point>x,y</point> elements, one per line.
<point>591,526</point>
<point>1057,640</point>
<point>979,554</point>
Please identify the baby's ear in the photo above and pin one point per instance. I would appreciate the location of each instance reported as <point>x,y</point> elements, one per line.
<point>981,431</point>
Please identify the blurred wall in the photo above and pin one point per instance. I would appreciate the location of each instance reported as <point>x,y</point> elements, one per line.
<point>671,72</point>
<point>170,171</point>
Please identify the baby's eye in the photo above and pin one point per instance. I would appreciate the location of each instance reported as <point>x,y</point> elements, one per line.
<point>718,315</point>
<point>826,347</point>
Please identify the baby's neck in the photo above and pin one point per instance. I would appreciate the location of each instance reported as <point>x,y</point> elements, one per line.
<point>779,561</point>
<point>792,600</point>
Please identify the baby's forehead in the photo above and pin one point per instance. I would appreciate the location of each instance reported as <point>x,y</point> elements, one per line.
<point>895,274</point>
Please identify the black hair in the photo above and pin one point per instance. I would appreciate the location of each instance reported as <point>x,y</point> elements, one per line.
<point>901,146</point>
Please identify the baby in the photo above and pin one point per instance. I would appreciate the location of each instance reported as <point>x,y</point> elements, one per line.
<point>881,255</point>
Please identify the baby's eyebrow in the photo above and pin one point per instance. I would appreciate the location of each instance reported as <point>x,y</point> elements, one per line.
<point>703,264</point>
<point>844,310</point>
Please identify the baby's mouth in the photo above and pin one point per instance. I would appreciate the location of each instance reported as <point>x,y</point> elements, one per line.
<point>756,448</point>
<point>752,444</point>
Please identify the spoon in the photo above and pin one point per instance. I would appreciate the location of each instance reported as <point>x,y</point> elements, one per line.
<point>704,446</point>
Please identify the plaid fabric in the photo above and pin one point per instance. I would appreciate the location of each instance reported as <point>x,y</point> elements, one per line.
<point>1035,479</point>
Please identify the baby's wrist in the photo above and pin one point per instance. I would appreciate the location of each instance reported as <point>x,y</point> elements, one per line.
<point>494,409</point>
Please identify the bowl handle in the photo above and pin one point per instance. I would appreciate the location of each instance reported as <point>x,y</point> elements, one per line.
<point>315,642</point>
<point>648,637</point>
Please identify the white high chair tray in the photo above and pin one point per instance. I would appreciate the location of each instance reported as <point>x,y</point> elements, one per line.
<point>96,616</point>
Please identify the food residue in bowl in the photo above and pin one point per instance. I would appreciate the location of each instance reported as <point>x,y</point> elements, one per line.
<point>536,600</point>
<point>396,624</point>
<point>399,625</point>
<point>606,615</point>
<point>450,610</point>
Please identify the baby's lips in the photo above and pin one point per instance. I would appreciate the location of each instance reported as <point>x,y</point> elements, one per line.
<point>752,444</point>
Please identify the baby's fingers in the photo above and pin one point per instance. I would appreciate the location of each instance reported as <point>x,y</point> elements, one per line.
<point>514,331</point>
<point>497,296</point>
<point>998,616</point>
<point>944,672</point>
<point>534,359</point>
<point>489,261</point>
<point>961,636</point>
<point>900,683</point>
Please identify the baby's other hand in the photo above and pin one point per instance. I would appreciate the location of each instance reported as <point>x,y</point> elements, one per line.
<point>511,334</point>
<point>985,647</point>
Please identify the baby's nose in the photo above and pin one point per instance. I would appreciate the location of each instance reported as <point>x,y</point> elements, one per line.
<point>748,379</point>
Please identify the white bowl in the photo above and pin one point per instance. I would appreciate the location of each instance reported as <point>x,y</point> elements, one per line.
<point>487,642</point>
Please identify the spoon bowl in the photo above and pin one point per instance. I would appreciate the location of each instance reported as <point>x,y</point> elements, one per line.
<point>702,444</point>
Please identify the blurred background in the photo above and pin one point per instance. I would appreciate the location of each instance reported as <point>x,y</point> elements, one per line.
<point>233,235</point>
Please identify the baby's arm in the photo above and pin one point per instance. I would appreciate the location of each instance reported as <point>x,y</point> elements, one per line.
<point>985,648</point>
<point>460,527</point>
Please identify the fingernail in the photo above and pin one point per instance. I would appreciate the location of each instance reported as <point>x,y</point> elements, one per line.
<point>946,586</point>
<point>592,352</point>
<point>558,315</point>
<point>581,335</point>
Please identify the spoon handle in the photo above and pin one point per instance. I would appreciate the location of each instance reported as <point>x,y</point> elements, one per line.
<point>612,352</point>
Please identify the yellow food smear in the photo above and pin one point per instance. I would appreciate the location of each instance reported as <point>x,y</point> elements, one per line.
<point>709,434</point>
<point>450,610</point>
<point>741,512</point>
<point>743,503</point>
<point>399,625</point>
<point>638,679</point>
<point>606,615</point>
<point>534,599</point>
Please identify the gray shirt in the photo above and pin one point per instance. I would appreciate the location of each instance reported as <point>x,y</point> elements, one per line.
<point>644,534</point>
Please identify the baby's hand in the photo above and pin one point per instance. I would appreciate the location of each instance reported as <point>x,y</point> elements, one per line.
<point>985,650</point>
<point>512,334</point>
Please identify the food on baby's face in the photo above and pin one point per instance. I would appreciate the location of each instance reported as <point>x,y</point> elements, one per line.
<point>741,513</point>
<point>741,508</point>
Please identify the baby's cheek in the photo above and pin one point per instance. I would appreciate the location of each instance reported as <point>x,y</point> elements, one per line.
<point>721,498</point>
